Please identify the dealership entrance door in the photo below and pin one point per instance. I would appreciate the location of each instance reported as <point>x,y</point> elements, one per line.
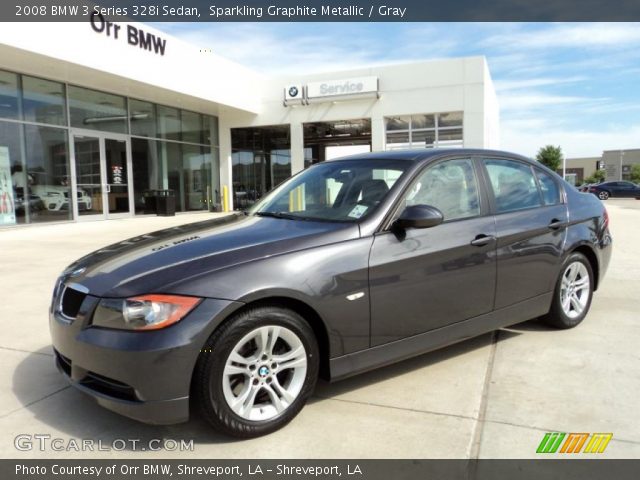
<point>101,166</point>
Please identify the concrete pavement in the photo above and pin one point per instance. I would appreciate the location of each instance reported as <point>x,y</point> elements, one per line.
<point>490,397</point>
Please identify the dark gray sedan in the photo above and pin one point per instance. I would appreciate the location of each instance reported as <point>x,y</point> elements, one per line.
<point>350,265</point>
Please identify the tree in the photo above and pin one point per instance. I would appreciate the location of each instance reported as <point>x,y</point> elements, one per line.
<point>550,156</point>
<point>597,177</point>
<point>635,173</point>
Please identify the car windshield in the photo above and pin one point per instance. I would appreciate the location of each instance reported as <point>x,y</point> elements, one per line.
<point>338,191</point>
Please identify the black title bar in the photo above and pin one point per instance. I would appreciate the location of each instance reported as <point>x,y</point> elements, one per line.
<point>321,10</point>
<point>566,469</point>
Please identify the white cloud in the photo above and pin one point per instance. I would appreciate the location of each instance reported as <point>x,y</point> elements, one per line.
<point>575,143</point>
<point>504,85</point>
<point>568,35</point>
<point>267,50</point>
<point>530,100</point>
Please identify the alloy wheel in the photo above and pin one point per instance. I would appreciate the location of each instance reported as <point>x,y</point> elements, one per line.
<point>264,373</point>
<point>575,289</point>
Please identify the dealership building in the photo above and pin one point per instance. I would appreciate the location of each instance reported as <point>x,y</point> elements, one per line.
<point>96,118</point>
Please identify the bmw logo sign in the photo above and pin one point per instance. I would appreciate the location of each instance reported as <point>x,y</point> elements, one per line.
<point>293,91</point>
<point>264,371</point>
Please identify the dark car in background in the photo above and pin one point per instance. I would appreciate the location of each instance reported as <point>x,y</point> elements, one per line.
<point>621,189</point>
<point>349,265</point>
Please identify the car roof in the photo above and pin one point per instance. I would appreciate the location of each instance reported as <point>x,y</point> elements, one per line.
<point>418,155</point>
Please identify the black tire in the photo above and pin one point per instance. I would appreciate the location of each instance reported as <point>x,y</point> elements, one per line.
<point>603,195</point>
<point>208,375</point>
<point>557,317</point>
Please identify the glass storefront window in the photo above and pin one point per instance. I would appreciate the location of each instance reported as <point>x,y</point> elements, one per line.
<point>35,161</point>
<point>43,101</point>
<point>142,116</point>
<point>210,128</point>
<point>9,106</point>
<point>261,159</point>
<point>169,124</point>
<point>398,123</point>
<point>97,110</point>
<point>453,119</point>
<point>48,172</point>
<point>424,131</point>
<point>196,175</point>
<point>147,173</point>
<point>14,182</point>
<point>191,127</point>
<point>423,121</point>
<point>425,138</point>
<point>171,161</point>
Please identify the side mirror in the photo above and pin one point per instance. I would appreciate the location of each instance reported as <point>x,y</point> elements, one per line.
<point>419,216</point>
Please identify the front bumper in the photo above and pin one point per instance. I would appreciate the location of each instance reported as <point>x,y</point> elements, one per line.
<point>142,375</point>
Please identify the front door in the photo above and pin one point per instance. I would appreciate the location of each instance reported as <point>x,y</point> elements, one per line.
<point>433,277</point>
<point>102,169</point>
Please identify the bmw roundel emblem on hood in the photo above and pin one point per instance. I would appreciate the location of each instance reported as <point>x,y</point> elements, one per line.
<point>293,91</point>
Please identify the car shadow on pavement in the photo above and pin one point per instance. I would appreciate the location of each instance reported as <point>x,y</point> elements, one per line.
<point>66,412</point>
<point>534,325</point>
<point>422,362</point>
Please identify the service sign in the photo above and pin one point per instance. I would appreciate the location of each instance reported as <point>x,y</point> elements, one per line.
<point>345,87</point>
<point>7,205</point>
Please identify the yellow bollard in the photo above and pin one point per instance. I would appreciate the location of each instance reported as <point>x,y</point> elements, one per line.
<point>225,198</point>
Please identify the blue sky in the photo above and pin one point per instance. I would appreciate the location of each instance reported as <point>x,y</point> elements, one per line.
<point>576,85</point>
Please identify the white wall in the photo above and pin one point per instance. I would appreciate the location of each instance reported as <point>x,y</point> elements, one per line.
<point>184,76</point>
<point>462,84</point>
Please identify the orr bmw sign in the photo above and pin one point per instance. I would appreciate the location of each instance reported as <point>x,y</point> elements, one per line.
<point>332,90</point>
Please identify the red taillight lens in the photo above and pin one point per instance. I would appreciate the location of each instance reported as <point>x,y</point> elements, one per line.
<point>605,217</point>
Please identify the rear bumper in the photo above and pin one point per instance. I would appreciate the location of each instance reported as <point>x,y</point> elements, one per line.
<point>142,375</point>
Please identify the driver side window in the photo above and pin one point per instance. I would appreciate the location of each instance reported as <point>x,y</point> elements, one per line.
<point>450,186</point>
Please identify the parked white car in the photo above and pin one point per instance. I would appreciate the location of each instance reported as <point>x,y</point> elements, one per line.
<point>56,197</point>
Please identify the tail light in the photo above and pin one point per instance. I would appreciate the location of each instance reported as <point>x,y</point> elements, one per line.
<point>605,218</point>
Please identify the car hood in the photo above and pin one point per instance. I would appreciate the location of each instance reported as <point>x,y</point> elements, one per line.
<point>159,261</point>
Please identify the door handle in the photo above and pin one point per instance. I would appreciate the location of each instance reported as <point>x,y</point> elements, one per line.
<point>555,224</point>
<point>481,240</point>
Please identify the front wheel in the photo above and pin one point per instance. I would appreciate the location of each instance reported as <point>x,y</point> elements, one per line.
<point>257,371</point>
<point>573,293</point>
<point>603,195</point>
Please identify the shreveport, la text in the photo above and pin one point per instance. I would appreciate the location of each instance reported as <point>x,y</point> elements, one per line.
<point>167,470</point>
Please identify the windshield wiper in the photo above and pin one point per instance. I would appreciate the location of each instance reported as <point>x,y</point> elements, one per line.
<point>284,215</point>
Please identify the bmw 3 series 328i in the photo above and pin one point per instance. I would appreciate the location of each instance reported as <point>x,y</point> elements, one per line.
<point>350,265</point>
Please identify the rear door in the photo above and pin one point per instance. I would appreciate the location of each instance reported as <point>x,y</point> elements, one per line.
<point>433,277</point>
<point>531,224</point>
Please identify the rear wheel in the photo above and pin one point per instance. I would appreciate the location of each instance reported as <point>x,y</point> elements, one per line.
<point>603,195</point>
<point>257,371</point>
<point>573,293</point>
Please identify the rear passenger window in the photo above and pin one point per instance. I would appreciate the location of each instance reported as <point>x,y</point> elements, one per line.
<point>514,185</point>
<point>550,191</point>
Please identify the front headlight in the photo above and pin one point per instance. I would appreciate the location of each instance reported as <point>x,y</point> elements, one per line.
<point>146,312</point>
